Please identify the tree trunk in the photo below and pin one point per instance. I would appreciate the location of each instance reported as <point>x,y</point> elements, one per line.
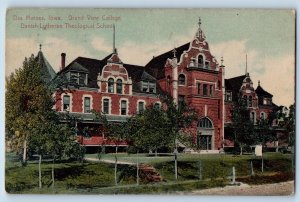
<point>155,152</point>
<point>116,149</point>
<point>241,152</point>
<point>176,175</point>
<point>40,171</point>
<point>24,151</point>
<point>116,161</point>
<point>53,173</point>
<point>137,169</point>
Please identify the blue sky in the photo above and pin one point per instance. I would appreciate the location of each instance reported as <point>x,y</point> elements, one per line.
<point>266,36</point>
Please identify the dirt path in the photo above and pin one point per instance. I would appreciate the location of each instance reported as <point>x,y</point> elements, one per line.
<point>108,161</point>
<point>282,188</point>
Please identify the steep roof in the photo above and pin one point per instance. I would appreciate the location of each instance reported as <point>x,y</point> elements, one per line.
<point>262,93</point>
<point>234,84</point>
<point>156,66</point>
<point>47,71</point>
<point>95,66</point>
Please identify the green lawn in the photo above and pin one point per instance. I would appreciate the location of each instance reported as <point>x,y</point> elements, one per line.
<point>75,177</point>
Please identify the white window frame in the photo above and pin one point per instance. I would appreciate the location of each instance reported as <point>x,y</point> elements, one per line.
<point>109,104</point>
<point>91,103</point>
<point>114,85</point>
<point>137,107</point>
<point>127,106</point>
<point>62,101</point>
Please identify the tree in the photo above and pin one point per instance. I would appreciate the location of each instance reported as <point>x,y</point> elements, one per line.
<point>290,124</point>
<point>31,123</point>
<point>243,128</point>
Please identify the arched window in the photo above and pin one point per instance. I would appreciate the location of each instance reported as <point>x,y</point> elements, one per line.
<point>250,101</point>
<point>110,85</point>
<point>200,61</point>
<point>205,123</point>
<point>119,86</point>
<point>169,80</point>
<point>253,117</point>
<point>245,99</point>
<point>181,79</point>
<point>156,106</point>
<point>263,115</point>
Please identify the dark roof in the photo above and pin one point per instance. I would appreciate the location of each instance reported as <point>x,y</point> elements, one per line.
<point>262,93</point>
<point>94,67</point>
<point>234,84</point>
<point>77,67</point>
<point>156,66</point>
<point>47,71</point>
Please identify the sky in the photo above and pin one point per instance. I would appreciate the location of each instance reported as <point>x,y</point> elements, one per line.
<point>266,36</point>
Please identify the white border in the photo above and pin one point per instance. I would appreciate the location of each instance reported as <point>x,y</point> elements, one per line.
<point>4,4</point>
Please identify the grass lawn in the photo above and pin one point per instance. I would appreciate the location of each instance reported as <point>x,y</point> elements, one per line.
<point>98,178</point>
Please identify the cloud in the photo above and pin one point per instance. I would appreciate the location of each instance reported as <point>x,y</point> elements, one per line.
<point>19,48</point>
<point>276,73</point>
<point>101,44</point>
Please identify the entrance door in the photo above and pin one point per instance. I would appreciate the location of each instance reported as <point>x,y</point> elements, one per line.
<point>204,142</point>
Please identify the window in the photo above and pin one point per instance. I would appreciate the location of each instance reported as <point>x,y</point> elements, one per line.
<point>119,86</point>
<point>106,106</point>
<point>123,107</point>
<point>267,101</point>
<point>141,107</point>
<point>110,85</point>
<point>219,85</point>
<point>73,77</point>
<point>228,96</point>
<point>181,79</point>
<point>206,65</point>
<point>263,115</point>
<point>200,60</point>
<point>82,79</point>
<point>252,117</point>
<point>148,87</point>
<point>169,80</point>
<point>204,89</point>
<point>205,123</point>
<point>157,106</point>
<point>180,100</point>
<point>245,100</point>
<point>87,105</point>
<point>199,88</point>
<point>152,87</point>
<point>211,90</point>
<point>78,78</point>
<point>250,101</point>
<point>66,103</point>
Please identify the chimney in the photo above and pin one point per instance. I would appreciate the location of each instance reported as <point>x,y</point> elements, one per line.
<point>63,61</point>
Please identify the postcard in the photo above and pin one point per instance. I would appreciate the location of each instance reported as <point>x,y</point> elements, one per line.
<point>150,101</point>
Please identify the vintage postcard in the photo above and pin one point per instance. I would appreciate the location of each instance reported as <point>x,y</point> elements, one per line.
<point>150,101</point>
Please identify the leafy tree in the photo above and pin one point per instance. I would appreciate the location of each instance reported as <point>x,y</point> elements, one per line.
<point>290,124</point>
<point>243,128</point>
<point>31,123</point>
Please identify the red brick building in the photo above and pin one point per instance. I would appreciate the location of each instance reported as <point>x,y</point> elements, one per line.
<point>189,73</point>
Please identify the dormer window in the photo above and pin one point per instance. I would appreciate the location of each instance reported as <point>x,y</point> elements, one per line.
<point>148,86</point>
<point>267,101</point>
<point>228,96</point>
<point>78,78</point>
